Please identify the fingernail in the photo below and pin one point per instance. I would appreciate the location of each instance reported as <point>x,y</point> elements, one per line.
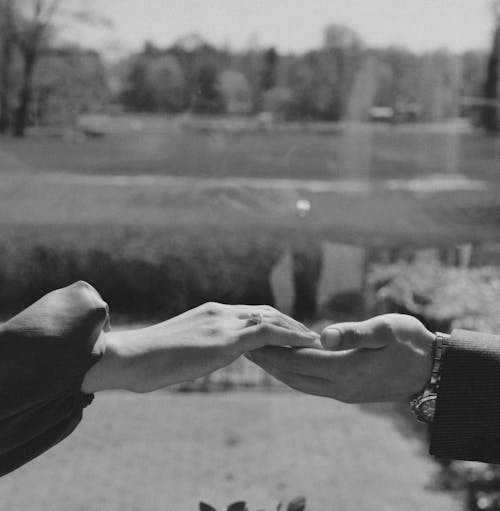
<point>331,338</point>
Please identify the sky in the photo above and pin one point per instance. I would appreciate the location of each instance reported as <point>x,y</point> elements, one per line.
<point>293,25</point>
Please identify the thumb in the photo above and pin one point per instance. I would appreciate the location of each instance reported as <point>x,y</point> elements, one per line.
<point>369,334</point>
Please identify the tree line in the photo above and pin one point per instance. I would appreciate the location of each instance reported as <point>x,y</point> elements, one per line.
<point>341,79</point>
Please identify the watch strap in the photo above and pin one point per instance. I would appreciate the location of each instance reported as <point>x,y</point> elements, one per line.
<point>432,386</point>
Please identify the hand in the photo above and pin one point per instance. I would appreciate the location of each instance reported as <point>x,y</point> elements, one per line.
<point>386,358</point>
<point>189,346</point>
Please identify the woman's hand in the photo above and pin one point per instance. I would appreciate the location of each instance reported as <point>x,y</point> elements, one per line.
<point>189,346</point>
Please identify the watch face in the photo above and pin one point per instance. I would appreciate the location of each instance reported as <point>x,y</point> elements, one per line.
<point>426,408</point>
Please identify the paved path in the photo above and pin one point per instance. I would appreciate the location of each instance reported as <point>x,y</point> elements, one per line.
<point>163,452</point>
<point>432,183</point>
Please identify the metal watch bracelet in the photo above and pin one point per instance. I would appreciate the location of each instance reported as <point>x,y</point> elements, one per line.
<point>423,404</point>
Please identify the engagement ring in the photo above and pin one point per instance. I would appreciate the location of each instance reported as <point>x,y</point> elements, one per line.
<point>255,318</point>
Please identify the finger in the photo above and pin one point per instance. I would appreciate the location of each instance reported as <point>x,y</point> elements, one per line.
<point>270,314</point>
<point>307,361</point>
<point>266,334</point>
<point>373,333</point>
<point>286,322</point>
<point>308,384</point>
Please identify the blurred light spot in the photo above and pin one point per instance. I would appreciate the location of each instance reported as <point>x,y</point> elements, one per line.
<point>303,207</point>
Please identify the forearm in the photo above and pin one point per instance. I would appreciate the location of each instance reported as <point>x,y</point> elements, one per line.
<point>132,361</point>
<point>136,360</point>
<point>467,420</point>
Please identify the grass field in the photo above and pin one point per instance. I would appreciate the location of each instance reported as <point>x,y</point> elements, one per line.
<point>165,452</point>
<point>349,152</point>
<point>367,184</point>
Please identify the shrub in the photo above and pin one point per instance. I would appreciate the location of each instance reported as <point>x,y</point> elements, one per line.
<point>443,297</point>
<point>141,274</point>
<point>297,504</point>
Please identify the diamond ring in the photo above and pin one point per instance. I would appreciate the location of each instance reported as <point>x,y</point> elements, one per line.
<point>255,318</point>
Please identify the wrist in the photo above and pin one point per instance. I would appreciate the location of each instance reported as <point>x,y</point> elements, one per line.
<point>423,404</point>
<point>428,344</point>
<point>116,368</point>
<point>423,342</point>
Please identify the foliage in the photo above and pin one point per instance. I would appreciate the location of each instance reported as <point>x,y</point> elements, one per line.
<point>155,84</point>
<point>184,77</point>
<point>30,29</point>
<point>446,297</point>
<point>480,482</point>
<point>297,504</point>
<point>68,82</point>
<point>150,276</point>
<point>491,115</point>
<point>235,90</point>
<point>341,79</point>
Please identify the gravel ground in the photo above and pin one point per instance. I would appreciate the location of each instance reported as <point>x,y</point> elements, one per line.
<point>166,451</point>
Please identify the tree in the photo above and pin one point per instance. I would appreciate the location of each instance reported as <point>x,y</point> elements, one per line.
<point>491,113</point>
<point>167,83</point>
<point>235,90</point>
<point>340,60</point>
<point>439,85</point>
<point>67,82</point>
<point>311,94</point>
<point>6,45</point>
<point>268,74</point>
<point>155,82</point>
<point>36,23</point>
<point>31,36</point>
<point>207,98</point>
<point>279,101</point>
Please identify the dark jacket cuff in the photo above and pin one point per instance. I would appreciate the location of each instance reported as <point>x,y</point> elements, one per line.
<point>467,419</point>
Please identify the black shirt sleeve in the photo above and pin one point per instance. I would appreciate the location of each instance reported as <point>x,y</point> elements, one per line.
<point>45,352</point>
<point>467,418</point>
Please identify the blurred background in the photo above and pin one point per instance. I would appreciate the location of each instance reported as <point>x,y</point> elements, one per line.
<point>336,159</point>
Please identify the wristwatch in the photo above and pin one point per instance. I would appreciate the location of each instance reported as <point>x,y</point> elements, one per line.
<point>423,404</point>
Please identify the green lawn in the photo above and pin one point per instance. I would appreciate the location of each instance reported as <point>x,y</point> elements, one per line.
<point>351,152</point>
<point>367,184</point>
<point>166,451</point>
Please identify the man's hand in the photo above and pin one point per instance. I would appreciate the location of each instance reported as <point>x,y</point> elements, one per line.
<point>386,358</point>
<point>189,346</point>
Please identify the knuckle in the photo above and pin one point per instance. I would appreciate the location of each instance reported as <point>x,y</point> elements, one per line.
<point>89,299</point>
<point>268,308</point>
<point>212,332</point>
<point>354,335</point>
<point>212,309</point>
<point>82,285</point>
<point>384,327</point>
<point>99,311</point>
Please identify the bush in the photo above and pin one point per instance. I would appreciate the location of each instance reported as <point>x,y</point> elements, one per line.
<point>443,297</point>
<point>140,274</point>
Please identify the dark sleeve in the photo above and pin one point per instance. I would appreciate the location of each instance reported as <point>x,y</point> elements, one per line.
<point>467,418</point>
<point>45,352</point>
